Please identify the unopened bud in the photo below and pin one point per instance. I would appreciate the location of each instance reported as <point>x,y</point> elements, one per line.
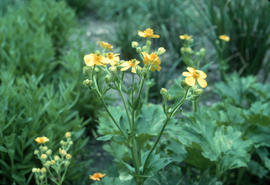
<point>70,143</point>
<point>66,163</point>
<point>43,170</point>
<point>134,44</point>
<point>34,170</point>
<point>144,48</point>
<point>184,84</point>
<point>198,92</point>
<point>161,51</point>
<point>202,51</point>
<point>67,134</point>
<point>47,164</point>
<point>163,91</point>
<point>56,157</point>
<point>41,177</point>
<point>87,82</point>
<point>148,43</point>
<point>86,70</point>
<point>113,68</point>
<point>52,162</point>
<point>97,70</point>
<point>62,152</point>
<point>49,152</point>
<point>43,156</point>
<point>139,49</point>
<point>36,152</point>
<point>44,148</point>
<point>108,78</point>
<point>68,156</point>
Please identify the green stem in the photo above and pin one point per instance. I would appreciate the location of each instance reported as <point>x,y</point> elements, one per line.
<point>119,89</point>
<point>106,108</point>
<point>163,128</point>
<point>194,105</point>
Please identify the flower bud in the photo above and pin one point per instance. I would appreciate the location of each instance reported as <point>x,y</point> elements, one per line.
<point>36,152</point>
<point>62,152</point>
<point>47,164</point>
<point>139,49</point>
<point>44,148</point>
<point>67,134</point>
<point>49,152</point>
<point>87,82</point>
<point>68,156</point>
<point>38,170</point>
<point>184,84</point>
<point>161,51</point>
<point>134,44</point>
<point>163,91</point>
<point>34,170</point>
<point>113,68</point>
<point>62,142</point>
<point>148,43</point>
<point>52,162</point>
<point>144,48</point>
<point>56,157</point>
<point>41,177</point>
<point>202,51</point>
<point>198,92</point>
<point>43,156</point>
<point>108,78</point>
<point>66,163</point>
<point>43,170</point>
<point>97,70</point>
<point>86,70</point>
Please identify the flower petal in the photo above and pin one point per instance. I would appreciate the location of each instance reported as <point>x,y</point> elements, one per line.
<point>190,80</point>
<point>202,82</point>
<point>202,74</point>
<point>133,69</point>
<point>186,74</point>
<point>191,69</point>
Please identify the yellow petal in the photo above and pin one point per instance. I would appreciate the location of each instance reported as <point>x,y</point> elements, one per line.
<point>202,74</point>
<point>202,82</point>
<point>190,80</point>
<point>141,34</point>
<point>186,74</point>
<point>125,68</point>
<point>133,69</point>
<point>191,69</point>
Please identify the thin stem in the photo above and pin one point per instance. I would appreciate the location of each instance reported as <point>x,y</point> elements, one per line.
<point>163,128</point>
<point>106,108</point>
<point>119,89</point>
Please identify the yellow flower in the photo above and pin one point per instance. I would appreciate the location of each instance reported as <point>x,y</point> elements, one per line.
<point>106,45</point>
<point>195,75</point>
<point>94,59</point>
<point>152,60</point>
<point>185,37</point>
<point>41,140</point>
<point>224,38</point>
<point>149,33</point>
<point>130,64</point>
<point>112,59</point>
<point>97,176</point>
<point>62,152</point>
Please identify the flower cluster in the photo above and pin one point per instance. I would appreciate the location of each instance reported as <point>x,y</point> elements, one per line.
<point>53,164</point>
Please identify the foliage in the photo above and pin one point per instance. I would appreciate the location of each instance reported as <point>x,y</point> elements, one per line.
<point>30,109</point>
<point>33,35</point>
<point>248,29</point>
<point>232,134</point>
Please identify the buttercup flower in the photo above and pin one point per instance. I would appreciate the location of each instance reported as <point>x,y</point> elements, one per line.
<point>106,45</point>
<point>149,33</point>
<point>130,64</point>
<point>185,37</point>
<point>152,60</point>
<point>94,59</point>
<point>195,75</point>
<point>112,59</point>
<point>224,38</point>
<point>97,176</point>
<point>41,140</point>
